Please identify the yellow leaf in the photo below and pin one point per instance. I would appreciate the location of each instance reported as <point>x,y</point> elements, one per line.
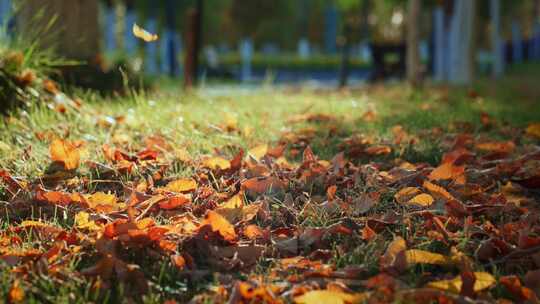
<point>483,281</point>
<point>182,185</point>
<point>33,224</point>
<point>534,129</point>
<point>330,297</point>
<point>216,163</point>
<point>406,194</point>
<point>415,256</point>
<point>101,199</point>
<point>423,200</point>
<point>65,152</point>
<point>259,151</point>
<point>143,34</point>
<point>82,221</point>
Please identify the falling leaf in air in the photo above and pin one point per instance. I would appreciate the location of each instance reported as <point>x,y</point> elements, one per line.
<point>483,281</point>
<point>65,152</point>
<point>144,34</point>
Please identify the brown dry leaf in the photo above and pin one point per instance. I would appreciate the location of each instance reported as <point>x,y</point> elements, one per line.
<point>143,34</point>
<point>220,225</point>
<point>378,150</point>
<point>422,200</point>
<point>264,185</point>
<point>182,185</point>
<point>65,152</point>
<point>365,202</point>
<point>330,296</point>
<point>483,281</point>
<point>394,257</point>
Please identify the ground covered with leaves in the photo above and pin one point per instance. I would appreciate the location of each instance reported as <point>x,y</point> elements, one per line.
<point>378,195</point>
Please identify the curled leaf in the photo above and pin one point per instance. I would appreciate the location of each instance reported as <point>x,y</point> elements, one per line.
<point>144,34</point>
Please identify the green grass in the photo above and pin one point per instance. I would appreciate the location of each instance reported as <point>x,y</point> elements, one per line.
<point>197,121</point>
<point>194,121</point>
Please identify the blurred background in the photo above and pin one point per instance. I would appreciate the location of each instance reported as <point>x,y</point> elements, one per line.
<point>327,42</point>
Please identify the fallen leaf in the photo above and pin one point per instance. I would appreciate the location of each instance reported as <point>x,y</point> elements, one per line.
<point>219,224</point>
<point>446,171</point>
<point>182,185</point>
<point>101,199</point>
<point>216,163</point>
<point>415,256</point>
<point>422,200</point>
<point>483,281</point>
<point>330,297</point>
<point>405,194</point>
<point>258,152</point>
<point>16,293</point>
<point>65,152</point>
<point>533,130</point>
<point>82,221</point>
<point>263,185</point>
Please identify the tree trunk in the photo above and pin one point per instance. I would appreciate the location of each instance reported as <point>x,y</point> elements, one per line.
<point>413,41</point>
<point>70,27</point>
<point>462,63</point>
<point>496,42</point>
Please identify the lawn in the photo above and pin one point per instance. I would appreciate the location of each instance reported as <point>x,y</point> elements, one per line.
<point>277,194</point>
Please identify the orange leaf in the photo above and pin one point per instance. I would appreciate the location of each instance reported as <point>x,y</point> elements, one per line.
<point>16,293</point>
<point>446,171</point>
<point>405,194</point>
<point>253,232</point>
<point>220,225</point>
<point>65,152</point>
<point>423,200</point>
<point>174,202</point>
